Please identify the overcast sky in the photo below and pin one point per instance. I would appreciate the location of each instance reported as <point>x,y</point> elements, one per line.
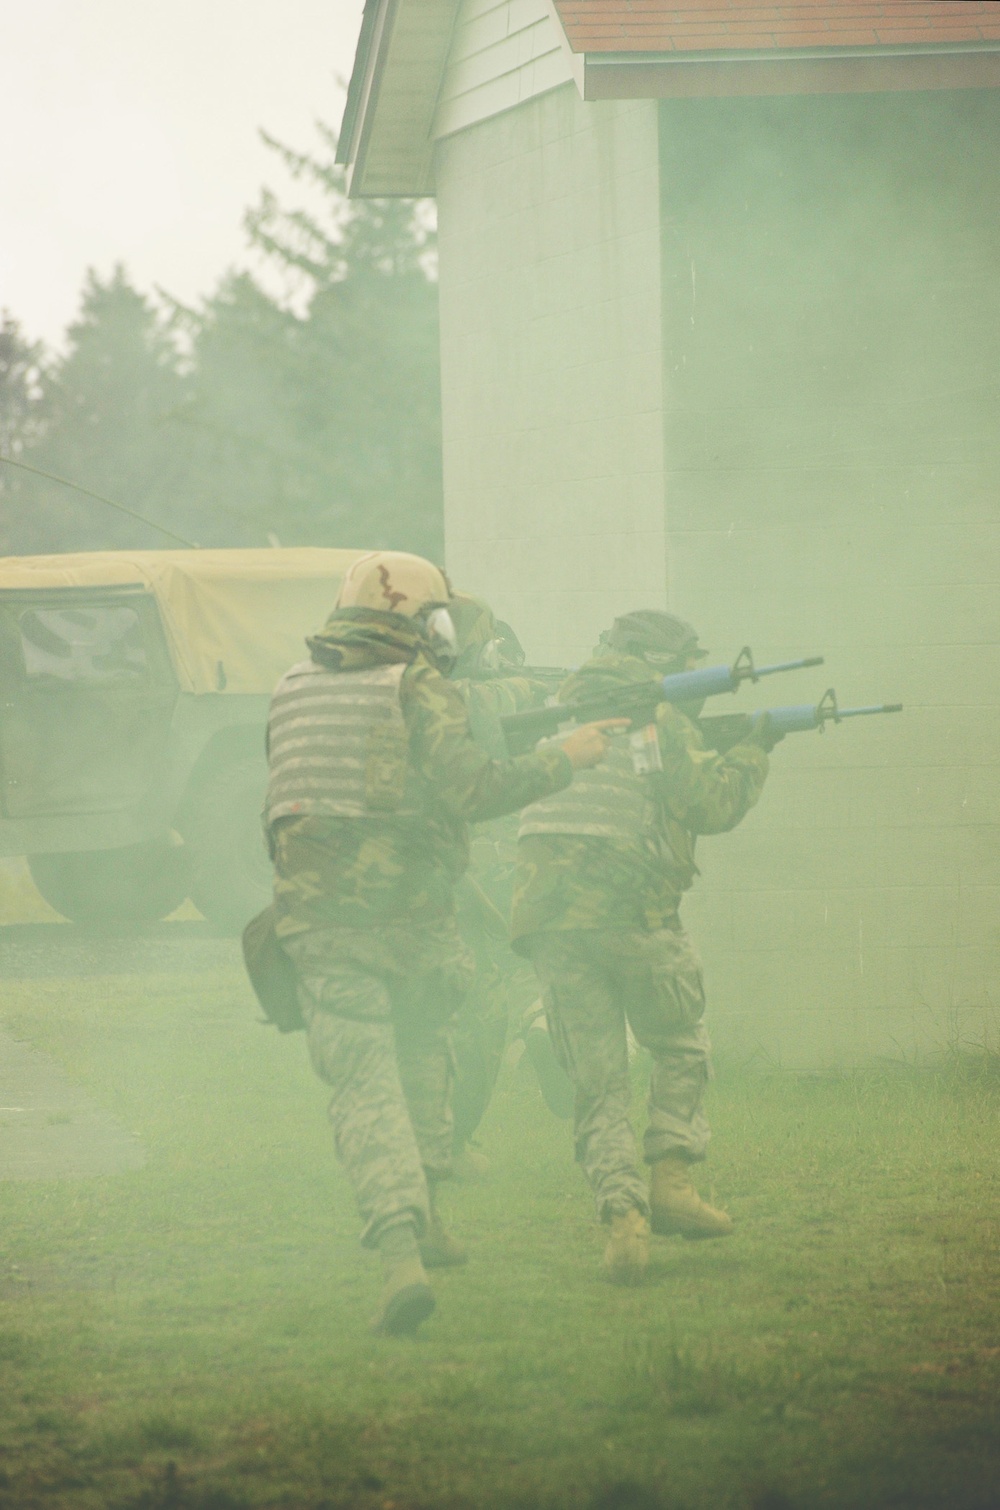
<point>128,132</point>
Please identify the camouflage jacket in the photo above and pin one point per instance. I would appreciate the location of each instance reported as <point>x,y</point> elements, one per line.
<point>484,898</point>
<point>488,701</point>
<point>568,881</point>
<point>362,872</point>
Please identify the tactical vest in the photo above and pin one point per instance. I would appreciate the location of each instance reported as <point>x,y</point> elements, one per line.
<point>338,746</point>
<point>606,801</point>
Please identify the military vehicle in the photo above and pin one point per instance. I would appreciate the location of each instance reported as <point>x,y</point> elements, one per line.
<point>134,688</point>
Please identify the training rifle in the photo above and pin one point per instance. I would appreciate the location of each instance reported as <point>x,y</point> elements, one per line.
<point>555,675</point>
<point>638,700</point>
<point>721,732</point>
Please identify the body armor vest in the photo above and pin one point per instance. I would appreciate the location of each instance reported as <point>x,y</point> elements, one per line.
<point>338,746</point>
<point>606,801</point>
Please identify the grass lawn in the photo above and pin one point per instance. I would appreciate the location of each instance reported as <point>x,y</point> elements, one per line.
<point>193,1333</point>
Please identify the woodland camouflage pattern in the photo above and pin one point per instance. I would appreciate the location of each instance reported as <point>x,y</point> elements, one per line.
<point>358,873</point>
<point>573,882</point>
<point>503,982</point>
<point>365,911</point>
<point>599,919</point>
<point>490,701</point>
<point>488,697</point>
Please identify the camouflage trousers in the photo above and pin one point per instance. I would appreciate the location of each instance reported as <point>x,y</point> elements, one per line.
<point>377,1005</point>
<point>594,982</point>
<point>503,990</point>
<point>479,1036</point>
<point>503,983</point>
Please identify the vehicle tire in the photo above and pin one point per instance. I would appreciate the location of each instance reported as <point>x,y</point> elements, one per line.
<point>138,884</point>
<point>231,871</point>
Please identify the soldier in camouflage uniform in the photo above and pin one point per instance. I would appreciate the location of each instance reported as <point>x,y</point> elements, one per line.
<point>373,779</point>
<point>489,676</point>
<point>601,872</point>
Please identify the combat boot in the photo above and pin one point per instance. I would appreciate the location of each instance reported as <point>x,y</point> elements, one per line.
<point>407,1299</point>
<point>677,1208</point>
<point>438,1249</point>
<point>627,1253</point>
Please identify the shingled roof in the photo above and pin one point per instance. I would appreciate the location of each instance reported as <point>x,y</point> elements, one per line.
<point>665,26</point>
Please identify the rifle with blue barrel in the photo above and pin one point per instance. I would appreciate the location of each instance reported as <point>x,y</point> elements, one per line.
<point>721,732</point>
<point>638,700</point>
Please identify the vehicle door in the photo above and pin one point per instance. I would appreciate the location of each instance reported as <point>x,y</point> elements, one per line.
<point>87,692</point>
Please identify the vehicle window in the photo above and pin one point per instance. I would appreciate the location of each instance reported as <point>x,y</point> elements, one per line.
<point>92,644</point>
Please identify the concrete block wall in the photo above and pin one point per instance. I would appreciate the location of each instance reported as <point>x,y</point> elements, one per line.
<point>831,319</point>
<point>739,357</point>
<point>551,366</point>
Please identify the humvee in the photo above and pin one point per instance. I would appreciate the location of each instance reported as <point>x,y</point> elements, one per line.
<point>134,688</point>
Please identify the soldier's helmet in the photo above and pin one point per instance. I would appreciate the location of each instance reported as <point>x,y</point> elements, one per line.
<point>660,638</point>
<point>396,582</point>
<point>393,582</point>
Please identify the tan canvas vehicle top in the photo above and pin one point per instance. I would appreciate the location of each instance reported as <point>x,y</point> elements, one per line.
<point>234,620</point>
<point>134,688</point>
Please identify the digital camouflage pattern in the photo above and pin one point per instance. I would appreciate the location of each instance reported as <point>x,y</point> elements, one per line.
<point>567,881</point>
<point>377,1005</point>
<point>359,873</point>
<point>594,982</point>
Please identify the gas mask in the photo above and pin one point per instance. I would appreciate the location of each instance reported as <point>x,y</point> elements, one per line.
<point>442,641</point>
<point>488,660</point>
<point>510,651</point>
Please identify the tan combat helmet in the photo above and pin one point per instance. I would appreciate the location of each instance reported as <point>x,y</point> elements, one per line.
<point>393,582</point>
<point>396,582</point>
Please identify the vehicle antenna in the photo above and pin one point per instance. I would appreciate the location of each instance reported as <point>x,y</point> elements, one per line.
<point>52,477</point>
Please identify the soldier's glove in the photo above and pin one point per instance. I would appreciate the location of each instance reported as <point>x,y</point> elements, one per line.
<point>765,732</point>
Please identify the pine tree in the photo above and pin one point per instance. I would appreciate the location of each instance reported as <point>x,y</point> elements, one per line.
<point>104,420</point>
<point>21,368</point>
<point>309,417</point>
<point>316,419</point>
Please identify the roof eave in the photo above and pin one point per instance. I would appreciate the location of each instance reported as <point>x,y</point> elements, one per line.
<point>356,88</point>
<point>386,143</point>
<point>813,70</point>
<point>362,92</point>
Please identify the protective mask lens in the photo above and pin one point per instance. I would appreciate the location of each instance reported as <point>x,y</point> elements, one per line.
<point>489,656</point>
<point>443,639</point>
<point>509,647</point>
<point>670,662</point>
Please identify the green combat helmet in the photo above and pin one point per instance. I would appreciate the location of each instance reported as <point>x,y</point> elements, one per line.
<point>660,638</point>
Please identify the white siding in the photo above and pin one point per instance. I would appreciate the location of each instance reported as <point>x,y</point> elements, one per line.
<point>783,447</point>
<point>503,52</point>
<point>551,366</point>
